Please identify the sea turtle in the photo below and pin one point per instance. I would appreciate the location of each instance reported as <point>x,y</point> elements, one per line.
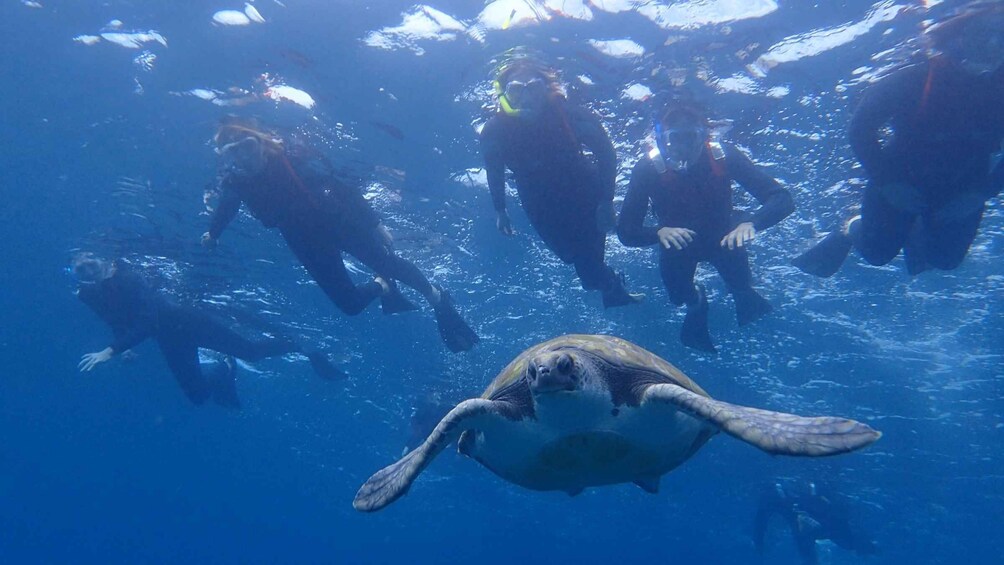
<point>589,410</point>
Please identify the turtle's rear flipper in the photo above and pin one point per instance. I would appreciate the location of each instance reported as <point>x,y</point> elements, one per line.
<point>393,482</point>
<point>774,432</point>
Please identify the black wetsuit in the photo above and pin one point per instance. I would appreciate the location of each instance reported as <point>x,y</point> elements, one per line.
<point>319,217</point>
<point>136,312</point>
<point>945,123</point>
<point>559,187</point>
<point>810,517</point>
<point>700,199</point>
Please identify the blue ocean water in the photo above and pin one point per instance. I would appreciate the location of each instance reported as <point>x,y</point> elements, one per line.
<point>106,146</point>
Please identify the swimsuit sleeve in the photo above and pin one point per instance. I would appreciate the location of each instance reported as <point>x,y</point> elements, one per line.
<point>881,102</point>
<point>590,132</point>
<point>630,226</point>
<point>491,150</point>
<point>776,202</point>
<point>226,210</point>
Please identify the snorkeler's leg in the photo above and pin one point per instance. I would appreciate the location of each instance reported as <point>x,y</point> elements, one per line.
<point>734,267</point>
<point>182,357</point>
<point>209,333</point>
<point>454,330</point>
<point>946,243</point>
<point>883,229</point>
<point>678,268</point>
<point>589,260</point>
<point>878,234</point>
<point>323,260</point>
<point>374,250</point>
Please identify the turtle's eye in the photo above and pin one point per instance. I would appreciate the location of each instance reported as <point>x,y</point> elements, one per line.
<point>531,371</point>
<point>565,364</point>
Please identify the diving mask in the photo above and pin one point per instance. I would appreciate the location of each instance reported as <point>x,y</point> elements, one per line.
<point>244,157</point>
<point>678,148</point>
<point>519,95</point>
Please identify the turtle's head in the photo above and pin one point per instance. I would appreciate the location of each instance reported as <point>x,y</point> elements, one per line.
<point>556,371</point>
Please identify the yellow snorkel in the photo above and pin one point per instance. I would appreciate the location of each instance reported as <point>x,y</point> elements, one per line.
<point>508,21</point>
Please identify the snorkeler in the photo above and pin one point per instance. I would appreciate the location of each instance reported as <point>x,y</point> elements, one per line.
<point>287,186</point>
<point>567,197</point>
<point>136,312</point>
<point>930,137</point>
<point>810,516</point>
<point>687,177</point>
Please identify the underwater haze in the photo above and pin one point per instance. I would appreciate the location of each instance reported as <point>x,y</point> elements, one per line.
<point>106,123</point>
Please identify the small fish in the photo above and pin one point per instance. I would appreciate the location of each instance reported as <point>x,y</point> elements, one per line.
<point>297,58</point>
<point>390,130</point>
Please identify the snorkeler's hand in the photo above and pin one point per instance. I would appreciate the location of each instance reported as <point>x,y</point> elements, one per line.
<point>91,360</point>
<point>606,218</point>
<point>676,237</point>
<point>208,241</point>
<point>503,223</point>
<point>743,234</point>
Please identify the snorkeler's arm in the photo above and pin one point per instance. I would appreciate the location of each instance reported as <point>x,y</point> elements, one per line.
<point>592,134</point>
<point>776,202</point>
<point>494,158</point>
<point>630,226</point>
<point>226,210</point>
<point>881,102</point>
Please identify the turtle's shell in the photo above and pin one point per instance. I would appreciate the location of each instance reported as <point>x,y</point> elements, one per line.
<point>613,350</point>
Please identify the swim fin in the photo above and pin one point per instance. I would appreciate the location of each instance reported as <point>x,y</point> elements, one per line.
<point>452,327</point>
<point>223,383</point>
<point>825,259</point>
<point>617,295</point>
<point>324,368</point>
<point>750,306</point>
<point>393,302</point>
<point>695,333</point>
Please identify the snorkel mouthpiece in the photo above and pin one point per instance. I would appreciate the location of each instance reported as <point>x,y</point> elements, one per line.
<point>504,104</point>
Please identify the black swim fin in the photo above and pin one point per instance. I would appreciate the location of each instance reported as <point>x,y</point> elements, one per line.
<point>617,295</point>
<point>826,257</point>
<point>324,368</point>
<point>393,302</point>
<point>750,306</point>
<point>695,333</point>
<point>455,332</point>
<point>223,383</point>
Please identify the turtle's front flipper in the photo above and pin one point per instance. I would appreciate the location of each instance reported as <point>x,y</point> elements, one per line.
<point>773,432</point>
<point>391,483</point>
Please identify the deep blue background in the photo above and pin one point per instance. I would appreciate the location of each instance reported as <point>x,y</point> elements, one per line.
<point>114,465</point>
